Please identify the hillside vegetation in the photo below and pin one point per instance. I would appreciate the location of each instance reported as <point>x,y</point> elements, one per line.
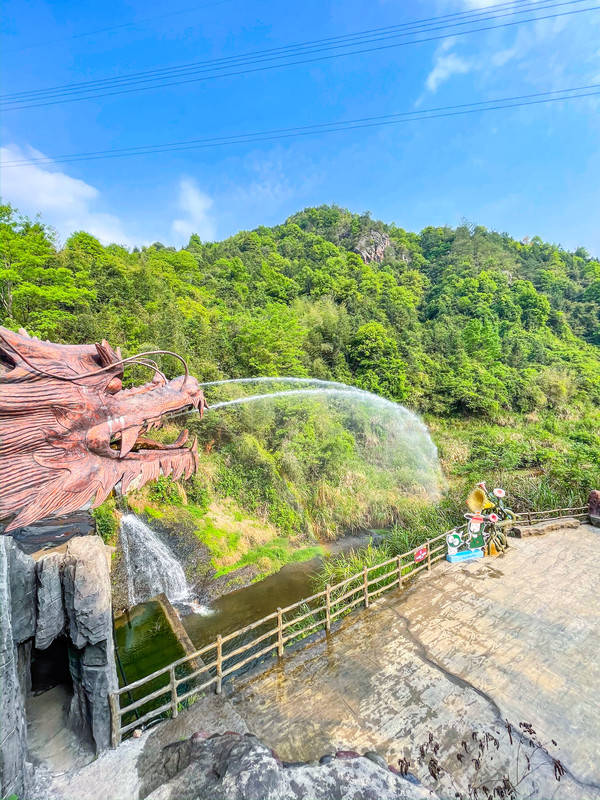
<point>493,340</point>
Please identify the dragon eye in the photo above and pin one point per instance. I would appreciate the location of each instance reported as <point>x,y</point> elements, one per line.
<point>114,385</point>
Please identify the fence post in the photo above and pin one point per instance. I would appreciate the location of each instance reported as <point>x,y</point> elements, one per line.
<point>529,517</point>
<point>399,560</point>
<point>428,556</point>
<point>328,608</point>
<point>115,720</point>
<point>366,586</point>
<point>279,633</point>
<point>219,664</point>
<point>173,693</point>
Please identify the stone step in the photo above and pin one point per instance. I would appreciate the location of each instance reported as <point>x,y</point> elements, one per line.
<point>521,530</point>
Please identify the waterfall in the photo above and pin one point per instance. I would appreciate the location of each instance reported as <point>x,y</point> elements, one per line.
<point>151,566</point>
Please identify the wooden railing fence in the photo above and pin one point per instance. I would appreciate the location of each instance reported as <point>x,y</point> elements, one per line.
<point>181,682</point>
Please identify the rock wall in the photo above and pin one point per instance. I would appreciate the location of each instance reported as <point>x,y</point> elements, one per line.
<point>87,599</point>
<point>62,593</point>
<point>13,723</point>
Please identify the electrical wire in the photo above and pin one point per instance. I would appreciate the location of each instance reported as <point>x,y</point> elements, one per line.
<point>136,85</point>
<point>108,29</point>
<point>277,134</point>
<point>522,7</point>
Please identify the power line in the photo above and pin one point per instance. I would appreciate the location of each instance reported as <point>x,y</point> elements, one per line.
<point>317,46</point>
<point>108,29</point>
<point>135,85</point>
<point>536,98</point>
<point>518,6</point>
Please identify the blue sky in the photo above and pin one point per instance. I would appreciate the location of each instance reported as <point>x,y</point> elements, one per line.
<point>528,171</point>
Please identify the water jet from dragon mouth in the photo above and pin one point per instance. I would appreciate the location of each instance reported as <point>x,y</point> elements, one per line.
<point>388,437</point>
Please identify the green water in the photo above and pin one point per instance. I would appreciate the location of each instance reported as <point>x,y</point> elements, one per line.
<point>145,643</point>
<point>239,608</point>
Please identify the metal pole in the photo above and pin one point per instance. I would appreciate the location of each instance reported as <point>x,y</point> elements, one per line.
<point>173,693</point>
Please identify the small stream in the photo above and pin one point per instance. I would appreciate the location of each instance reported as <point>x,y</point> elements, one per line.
<point>235,610</point>
<point>146,643</point>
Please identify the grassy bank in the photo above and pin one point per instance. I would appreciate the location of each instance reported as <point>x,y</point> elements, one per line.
<point>543,461</point>
<point>250,514</point>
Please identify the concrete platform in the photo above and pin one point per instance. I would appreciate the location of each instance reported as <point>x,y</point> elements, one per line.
<point>516,637</point>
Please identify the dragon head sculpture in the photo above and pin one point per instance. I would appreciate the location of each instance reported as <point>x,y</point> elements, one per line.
<point>69,432</point>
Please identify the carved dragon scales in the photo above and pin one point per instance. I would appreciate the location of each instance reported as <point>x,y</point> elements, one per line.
<point>69,432</point>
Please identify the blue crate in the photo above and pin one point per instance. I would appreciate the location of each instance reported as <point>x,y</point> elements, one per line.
<point>465,555</point>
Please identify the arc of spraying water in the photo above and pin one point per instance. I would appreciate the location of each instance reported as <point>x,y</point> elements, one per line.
<point>282,379</point>
<point>407,423</point>
<point>294,393</point>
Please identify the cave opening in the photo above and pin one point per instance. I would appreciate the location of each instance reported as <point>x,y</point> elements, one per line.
<point>51,738</point>
<point>50,667</point>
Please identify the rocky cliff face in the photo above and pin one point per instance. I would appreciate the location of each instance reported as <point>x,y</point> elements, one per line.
<point>86,584</point>
<point>65,593</point>
<point>13,724</point>
<point>373,246</point>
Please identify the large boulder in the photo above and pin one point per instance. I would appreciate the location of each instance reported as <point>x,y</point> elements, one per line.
<point>50,608</point>
<point>239,767</point>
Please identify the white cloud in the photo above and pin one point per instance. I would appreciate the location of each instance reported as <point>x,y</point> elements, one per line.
<point>267,187</point>
<point>195,206</point>
<point>445,65</point>
<point>66,203</point>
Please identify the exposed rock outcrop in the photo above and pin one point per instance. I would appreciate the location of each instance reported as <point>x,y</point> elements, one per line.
<point>546,526</point>
<point>372,246</point>
<point>239,767</point>
<point>23,611</point>
<point>63,593</point>
<point>86,582</point>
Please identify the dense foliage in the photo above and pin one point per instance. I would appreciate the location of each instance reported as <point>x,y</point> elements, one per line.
<point>494,340</point>
<point>463,321</point>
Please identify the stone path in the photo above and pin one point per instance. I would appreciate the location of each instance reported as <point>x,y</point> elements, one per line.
<point>467,647</point>
<point>51,741</point>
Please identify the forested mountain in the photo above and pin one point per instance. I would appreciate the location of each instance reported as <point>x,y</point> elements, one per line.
<point>494,340</point>
<point>451,321</point>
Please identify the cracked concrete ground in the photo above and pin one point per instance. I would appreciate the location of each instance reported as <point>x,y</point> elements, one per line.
<point>466,647</point>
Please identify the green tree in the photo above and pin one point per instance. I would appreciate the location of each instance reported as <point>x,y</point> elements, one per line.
<point>375,361</point>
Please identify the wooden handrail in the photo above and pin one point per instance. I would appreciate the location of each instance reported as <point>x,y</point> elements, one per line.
<point>321,616</point>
